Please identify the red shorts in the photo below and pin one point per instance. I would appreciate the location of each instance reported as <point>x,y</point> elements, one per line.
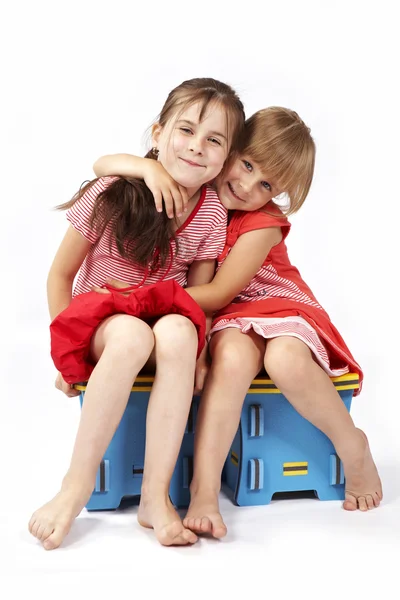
<point>72,330</point>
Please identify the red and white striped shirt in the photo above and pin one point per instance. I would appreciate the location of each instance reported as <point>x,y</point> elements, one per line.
<point>201,237</point>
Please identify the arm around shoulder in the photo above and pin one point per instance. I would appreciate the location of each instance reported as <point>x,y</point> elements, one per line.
<point>241,265</point>
<point>126,165</point>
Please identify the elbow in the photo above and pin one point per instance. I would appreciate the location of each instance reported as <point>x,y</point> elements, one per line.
<point>216,302</point>
<point>58,278</point>
<point>102,165</point>
<point>209,297</point>
<point>221,303</point>
<point>97,167</point>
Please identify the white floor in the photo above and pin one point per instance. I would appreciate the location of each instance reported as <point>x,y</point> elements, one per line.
<point>293,547</point>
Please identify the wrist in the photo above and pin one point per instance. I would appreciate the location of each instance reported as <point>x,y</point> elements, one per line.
<point>146,166</point>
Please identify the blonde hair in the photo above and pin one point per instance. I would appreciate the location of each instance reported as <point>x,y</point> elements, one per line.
<point>281,144</point>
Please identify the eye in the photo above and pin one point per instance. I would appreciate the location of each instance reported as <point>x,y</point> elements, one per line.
<point>185,129</point>
<point>214,141</point>
<point>247,165</point>
<point>266,186</point>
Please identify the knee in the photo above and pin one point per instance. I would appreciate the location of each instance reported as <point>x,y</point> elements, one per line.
<point>175,334</point>
<point>129,336</point>
<point>229,359</point>
<point>287,360</point>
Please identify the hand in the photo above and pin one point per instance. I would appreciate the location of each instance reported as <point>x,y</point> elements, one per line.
<point>113,283</point>
<point>201,372</point>
<point>65,387</point>
<point>163,187</point>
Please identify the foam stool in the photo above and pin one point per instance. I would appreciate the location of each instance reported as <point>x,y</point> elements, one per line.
<point>277,450</point>
<point>121,470</point>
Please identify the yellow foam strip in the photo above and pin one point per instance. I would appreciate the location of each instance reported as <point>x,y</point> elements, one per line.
<point>150,379</point>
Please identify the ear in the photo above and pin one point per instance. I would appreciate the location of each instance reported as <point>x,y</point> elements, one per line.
<point>155,133</point>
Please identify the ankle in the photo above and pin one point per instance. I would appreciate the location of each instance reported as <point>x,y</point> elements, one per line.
<point>352,446</point>
<point>205,487</point>
<point>154,491</point>
<point>73,482</point>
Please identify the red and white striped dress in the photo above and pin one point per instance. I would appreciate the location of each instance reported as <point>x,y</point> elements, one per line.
<point>201,237</point>
<point>277,302</point>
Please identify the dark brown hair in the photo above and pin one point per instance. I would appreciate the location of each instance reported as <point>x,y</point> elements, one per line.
<point>127,203</point>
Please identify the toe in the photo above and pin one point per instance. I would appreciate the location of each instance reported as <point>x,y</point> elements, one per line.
<point>176,535</point>
<point>55,538</point>
<point>370,501</point>
<point>205,525</point>
<point>40,532</point>
<point>197,524</point>
<point>350,502</point>
<point>47,531</point>
<point>33,526</point>
<point>189,536</point>
<point>377,499</point>
<point>31,523</point>
<point>37,528</point>
<point>219,530</point>
<point>362,503</point>
<point>170,534</point>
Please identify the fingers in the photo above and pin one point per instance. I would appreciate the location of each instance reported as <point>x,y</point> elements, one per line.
<point>180,199</point>
<point>175,198</point>
<point>201,374</point>
<point>158,201</point>
<point>170,205</point>
<point>65,387</point>
<point>72,393</point>
<point>117,284</point>
<point>185,198</point>
<point>112,283</point>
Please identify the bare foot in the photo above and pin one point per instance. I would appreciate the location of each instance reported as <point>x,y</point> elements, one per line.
<point>51,523</point>
<point>363,485</point>
<point>203,515</point>
<point>160,515</point>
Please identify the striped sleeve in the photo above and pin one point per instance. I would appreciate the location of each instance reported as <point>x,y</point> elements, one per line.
<point>79,214</point>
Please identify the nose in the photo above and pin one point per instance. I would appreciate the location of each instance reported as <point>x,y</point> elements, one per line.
<point>196,145</point>
<point>246,184</point>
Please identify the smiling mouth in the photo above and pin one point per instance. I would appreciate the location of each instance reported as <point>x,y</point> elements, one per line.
<point>191,163</point>
<point>234,193</point>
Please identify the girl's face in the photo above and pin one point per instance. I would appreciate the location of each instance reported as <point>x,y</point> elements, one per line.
<point>193,152</point>
<point>245,187</point>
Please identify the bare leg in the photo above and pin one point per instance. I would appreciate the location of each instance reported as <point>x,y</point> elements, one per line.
<point>308,388</point>
<point>170,400</point>
<point>121,344</point>
<point>236,360</point>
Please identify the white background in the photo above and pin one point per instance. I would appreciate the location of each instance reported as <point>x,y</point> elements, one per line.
<point>81,79</point>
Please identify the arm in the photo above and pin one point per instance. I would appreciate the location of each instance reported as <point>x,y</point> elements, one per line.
<point>201,272</point>
<point>65,266</point>
<point>159,182</point>
<point>125,165</point>
<point>239,268</point>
